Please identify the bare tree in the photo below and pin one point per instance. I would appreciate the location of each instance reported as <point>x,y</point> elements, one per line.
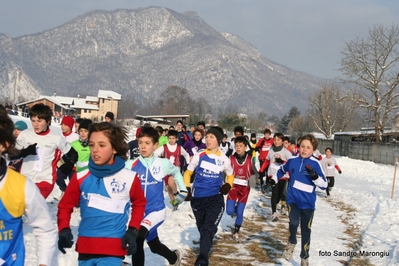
<point>175,100</point>
<point>331,109</point>
<point>371,65</point>
<point>299,126</point>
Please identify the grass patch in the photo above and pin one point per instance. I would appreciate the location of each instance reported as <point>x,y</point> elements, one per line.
<point>261,241</point>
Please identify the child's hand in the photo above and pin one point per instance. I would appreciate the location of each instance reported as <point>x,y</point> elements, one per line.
<point>225,188</point>
<point>181,196</point>
<point>311,172</point>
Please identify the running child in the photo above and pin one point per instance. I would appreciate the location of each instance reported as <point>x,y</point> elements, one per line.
<point>329,165</point>
<point>105,192</point>
<point>207,200</point>
<point>20,196</point>
<point>306,173</point>
<point>173,152</point>
<point>263,146</point>
<point>241,163</point>
<point>276,157</point>
<point>40,164</point>
<point>152,171</point>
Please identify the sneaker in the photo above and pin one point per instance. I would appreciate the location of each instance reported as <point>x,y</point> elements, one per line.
<point>275,217</point>
<point>304,262</point>
<point>178,261</point>
<point>288,251</point>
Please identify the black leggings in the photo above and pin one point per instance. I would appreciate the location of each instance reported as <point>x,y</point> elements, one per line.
<point>330,183</point>
<point>156,247</point>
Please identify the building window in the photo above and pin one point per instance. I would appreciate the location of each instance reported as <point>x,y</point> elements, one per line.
<point>85,110</point>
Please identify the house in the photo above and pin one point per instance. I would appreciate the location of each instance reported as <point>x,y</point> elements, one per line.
<point>92,107</point>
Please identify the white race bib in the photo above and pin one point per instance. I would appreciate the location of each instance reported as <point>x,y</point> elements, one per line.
<point>106,204</point>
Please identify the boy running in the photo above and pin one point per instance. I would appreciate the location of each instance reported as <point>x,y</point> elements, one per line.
<point>241,163</point>
<point>152,171</point>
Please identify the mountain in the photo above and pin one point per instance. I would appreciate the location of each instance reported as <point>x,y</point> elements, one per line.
<point>141,52</point>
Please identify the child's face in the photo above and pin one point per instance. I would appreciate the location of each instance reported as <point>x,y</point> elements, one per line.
<point>240,148</point>
<point>172,140</point>
<point>179,126</point>
<point>237,134</point>
<point>83,133</point>
<point>286,144</point>
<point>147,147</point>
<point>101,150</point>
<point>201,127</point>
<point>16,132</point>
<point>224,140</point>
<point>277,142</point>
<point>267,135</point>
<point>197,136</point>
<point>306,148</point>
<point>211,142</point>
<point>65,129</point>
<point>39,125</point>
<point>328,153</point>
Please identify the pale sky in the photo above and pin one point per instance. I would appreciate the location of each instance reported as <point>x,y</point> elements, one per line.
<point>305,35</point>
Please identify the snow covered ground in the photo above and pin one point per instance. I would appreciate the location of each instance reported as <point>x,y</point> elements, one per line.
<point>364,185</point>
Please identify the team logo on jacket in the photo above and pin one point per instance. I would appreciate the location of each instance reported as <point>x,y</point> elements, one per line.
<point>219,162</point>
<point>117,187</point>
<point>156,169</point>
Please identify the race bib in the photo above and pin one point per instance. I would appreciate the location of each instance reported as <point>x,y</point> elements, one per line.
<point>106,204</point>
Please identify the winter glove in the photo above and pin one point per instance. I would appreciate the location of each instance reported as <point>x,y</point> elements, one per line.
<point>339,172</point>
<point>129,240</point>
<point>65,240</point>
<point>180,197</point>
<point>225,188</point>
<point>279,160</point>
<point>270,183</point>
<point>67,166</point>
<point>311,172</point>
<point>30,150</point>
<point>189,195</point>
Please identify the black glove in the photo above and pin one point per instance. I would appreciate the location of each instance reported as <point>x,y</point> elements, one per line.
<point>225,188</point>
<point>30,150</point>
<point>279,160</point>
<point>339,172</point>
<point>189,195</point>
<point>67,166</point>
<point>129,240</point>
<point>311,172</point>
<point>270,183</point>
<point>65,240</point>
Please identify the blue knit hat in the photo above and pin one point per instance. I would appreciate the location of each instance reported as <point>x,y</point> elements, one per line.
<point>20,125</point>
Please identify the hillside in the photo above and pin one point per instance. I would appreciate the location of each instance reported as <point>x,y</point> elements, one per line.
<point>143,51</point>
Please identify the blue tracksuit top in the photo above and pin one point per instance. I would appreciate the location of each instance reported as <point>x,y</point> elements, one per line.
<point>301,187</point>
<point>152,172</point>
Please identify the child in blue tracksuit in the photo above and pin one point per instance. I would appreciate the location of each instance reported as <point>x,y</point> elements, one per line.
<point>306,173</point>
<point>208,189</point>
<point>152,171</point>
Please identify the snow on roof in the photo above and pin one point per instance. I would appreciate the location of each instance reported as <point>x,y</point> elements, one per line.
<point>92,98</point>
<point>109,94</point>
<point>80,103</point>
